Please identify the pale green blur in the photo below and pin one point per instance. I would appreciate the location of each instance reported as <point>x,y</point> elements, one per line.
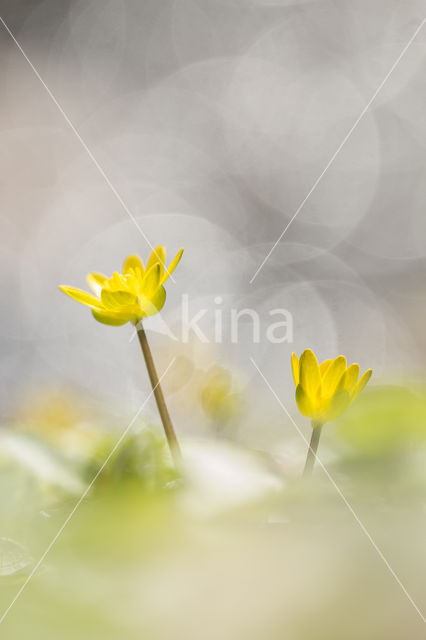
<point>239,547</point>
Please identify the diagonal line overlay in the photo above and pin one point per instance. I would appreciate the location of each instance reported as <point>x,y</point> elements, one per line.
<point>83,143</point>
<point>339,148</point>
<point>83,496</point>
<point>342,496</point>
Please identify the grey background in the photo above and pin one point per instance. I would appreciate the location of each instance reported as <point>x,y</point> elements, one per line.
<point>212,120</point>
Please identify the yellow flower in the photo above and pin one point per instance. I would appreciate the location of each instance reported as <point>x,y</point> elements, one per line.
<point>217,399</point>
<point>129,296</point>
<point>324,391</point>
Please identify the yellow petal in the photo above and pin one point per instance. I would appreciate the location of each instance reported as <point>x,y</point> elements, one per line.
<point>362,383</point>
<point>154,304</point>
<point>132,283</point>
<point>115,283</point>
<point>109,318</point>
<point>342,382</point>
<point>333,375</point>
<point>309,373</point>
<point>324,367</point>
<point>82,296</point>
<point>352,374</point>
<point>218,379</point>
<point>135,263</point>
<point>303,402</point>
<point>339,403</point>
<point>96,281</point>
<point>151,280</point>
<point>116,300</point>
<point>158,256</point>
<point>172,266</point>
<point>295,368</point>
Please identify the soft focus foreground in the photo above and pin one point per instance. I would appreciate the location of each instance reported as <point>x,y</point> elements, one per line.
<point>208,125</point>
<point>240,547</point>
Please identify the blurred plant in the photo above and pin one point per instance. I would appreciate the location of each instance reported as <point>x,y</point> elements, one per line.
<point>62,419</point>
<point>324,391</point>
<point>219,403</point>
<point>387,423</point>
<point>141,458</point>
<point>136,293</point>
<point>51,411</point>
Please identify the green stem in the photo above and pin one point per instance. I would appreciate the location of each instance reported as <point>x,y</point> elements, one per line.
<point>313,446</point>
<point>159,398</point>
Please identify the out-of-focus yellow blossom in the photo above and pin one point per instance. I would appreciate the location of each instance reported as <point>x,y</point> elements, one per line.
<point>60,418</point>
<point>129,296</point>
<point>324,391</point>
<point>217,399</point>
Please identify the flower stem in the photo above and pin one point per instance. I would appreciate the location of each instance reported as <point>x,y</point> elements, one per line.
<point>159,398</point>
<point>313,446</point>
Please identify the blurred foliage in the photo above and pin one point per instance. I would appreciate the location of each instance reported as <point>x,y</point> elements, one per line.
<point>143,456</point>
<point>386,421</point>
<point>233,549</point>
<point>59,427</point>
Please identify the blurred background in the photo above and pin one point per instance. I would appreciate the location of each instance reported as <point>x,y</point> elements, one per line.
<point>209,121</point>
